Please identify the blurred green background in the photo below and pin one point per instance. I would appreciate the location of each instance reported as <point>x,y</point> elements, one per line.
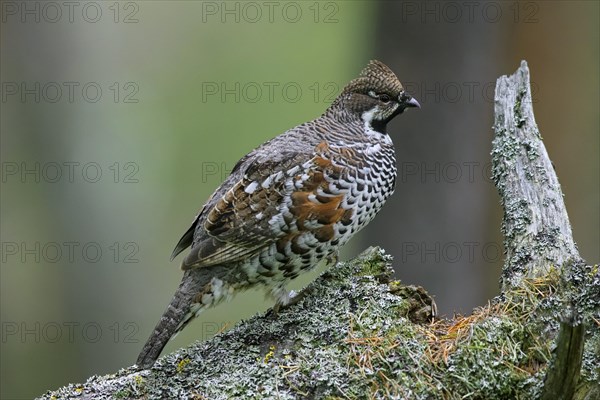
<point>119,119</point>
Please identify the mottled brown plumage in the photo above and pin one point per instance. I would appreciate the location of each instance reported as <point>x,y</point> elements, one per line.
<point>290,203</point>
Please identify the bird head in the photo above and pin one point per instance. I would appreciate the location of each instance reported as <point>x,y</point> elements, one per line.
<point>376,96</point>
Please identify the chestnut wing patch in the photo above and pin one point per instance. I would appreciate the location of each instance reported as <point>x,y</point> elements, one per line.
<point>236,226</point>
<point>294,191</point>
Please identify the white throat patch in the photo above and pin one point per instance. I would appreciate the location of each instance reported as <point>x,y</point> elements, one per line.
<point>367,118</point>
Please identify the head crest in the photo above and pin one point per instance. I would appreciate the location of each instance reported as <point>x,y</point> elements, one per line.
<point>375,68</point>
<point>375,76</point>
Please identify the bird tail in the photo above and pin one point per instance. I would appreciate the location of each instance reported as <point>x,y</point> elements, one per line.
<point>177,315</point>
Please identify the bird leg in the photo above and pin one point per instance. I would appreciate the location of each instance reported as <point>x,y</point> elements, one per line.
<point>333,258</point>
<point>285,299</point>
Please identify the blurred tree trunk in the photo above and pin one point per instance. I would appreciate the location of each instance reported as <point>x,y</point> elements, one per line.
<point>442,152</point>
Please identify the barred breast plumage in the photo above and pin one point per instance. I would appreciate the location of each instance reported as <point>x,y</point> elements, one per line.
<point>290,203</point>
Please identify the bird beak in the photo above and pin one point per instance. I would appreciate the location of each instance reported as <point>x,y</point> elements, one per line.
<point>408,101</point>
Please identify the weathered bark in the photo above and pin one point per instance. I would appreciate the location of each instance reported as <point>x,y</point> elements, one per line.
<point>536,228</point>
<point>358,334</point>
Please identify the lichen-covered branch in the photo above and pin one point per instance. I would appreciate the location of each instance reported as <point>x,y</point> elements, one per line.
<point>359,334</point>
<point>536,228</point>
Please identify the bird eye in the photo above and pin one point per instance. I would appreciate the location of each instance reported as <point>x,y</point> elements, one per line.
<point>385,98</point>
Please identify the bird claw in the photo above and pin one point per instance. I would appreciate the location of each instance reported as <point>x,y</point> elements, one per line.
<point>333,258</point>
<point>292,297</point>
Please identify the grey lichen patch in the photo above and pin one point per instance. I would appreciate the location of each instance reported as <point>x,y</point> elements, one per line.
<point>505,149</point>
<point>518,217</point>
<point>531,150</point>
<point>134,388</point>
<point>590,368</point>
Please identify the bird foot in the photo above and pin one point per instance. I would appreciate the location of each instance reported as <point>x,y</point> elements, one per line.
<point>333,258</point>
<point>289,299</point>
